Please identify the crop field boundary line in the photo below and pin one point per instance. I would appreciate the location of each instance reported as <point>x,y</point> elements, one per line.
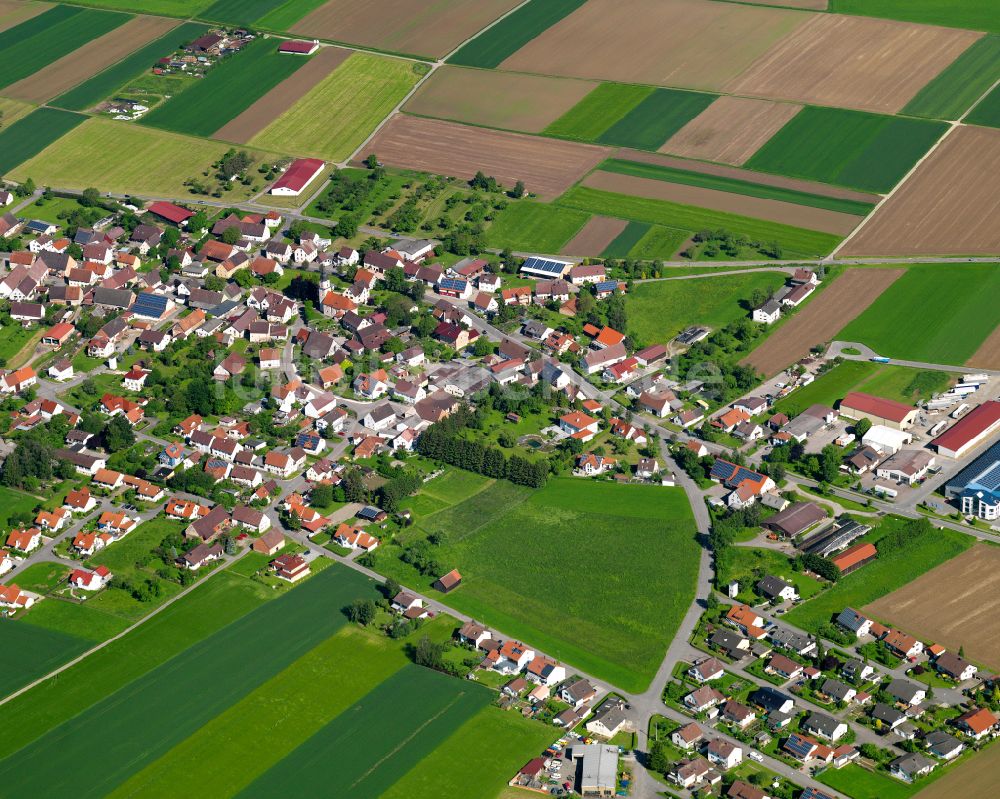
<point>473,530</point>
<point>952,127</point>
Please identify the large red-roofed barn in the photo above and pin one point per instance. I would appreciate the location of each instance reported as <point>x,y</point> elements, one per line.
<point>295,47</point>
<point>300,174</point>
<point>170,212</point>
<point>897,415</point>
<point>972,429</point>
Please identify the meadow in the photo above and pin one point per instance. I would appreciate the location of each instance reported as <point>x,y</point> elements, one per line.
<point>168,8</point>
<point>882,576</point>
<point>11,110</point>
<point>932,314</point>
<point>41,40</point>
<point>660,310</point>
<point>13,502</point>
<point>744,187</point>
<point>159,165</point>
<point>227,89</point>
<point>31,134</point>
<point>240,12</point>
<point>99,87</point>
<point>286,14</point>
<point>559,567</point>
<point>339,113</point>
<point>656,118</point>
<point>598,111</point>
<point>248,652</point>
<point>794,241</point>
<point>509,35</point>
<point>954,91</point>
<point>978,15</point>
<point>28,652</point>
<point>870,152</point>
<point>860,783</point>
<point>988,111</point>
<point>657,242</point>
<point>535,226</point>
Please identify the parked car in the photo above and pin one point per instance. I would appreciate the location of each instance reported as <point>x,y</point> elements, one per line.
<point>756,756</point>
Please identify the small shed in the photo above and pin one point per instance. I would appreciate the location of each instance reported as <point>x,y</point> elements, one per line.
<point>448,582</point>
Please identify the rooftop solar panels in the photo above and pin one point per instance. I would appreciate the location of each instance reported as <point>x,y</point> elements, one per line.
<point>545,267</point>
<point>835,537</point>
<point>152,306</point>
<point>607,285</point>
<point>452,284</point>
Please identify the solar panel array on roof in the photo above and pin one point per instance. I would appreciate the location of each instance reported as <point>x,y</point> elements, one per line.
<point>545,265</point>
<point>607,285</point>
<point>835,537</point>
<point>452,284</point>
<point>150,305</point>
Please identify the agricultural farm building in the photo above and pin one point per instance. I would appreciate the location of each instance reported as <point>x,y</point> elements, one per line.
<point>835,537</point>
<point>298,47</point>
<point>545,268</point>
<point>300,174</point>
<point>971,430</point>
<point>897,415</point>
<point>976,488</point>
<point>795,519</point>
<point>172,213</point>
<point>854,558</point>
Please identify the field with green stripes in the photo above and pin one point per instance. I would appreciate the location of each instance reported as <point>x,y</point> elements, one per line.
<point>31,134</point>
<point>954,91</point>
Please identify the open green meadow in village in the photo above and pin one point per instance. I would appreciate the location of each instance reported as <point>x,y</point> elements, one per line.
<point>536,226</point>
<point>558,567</point>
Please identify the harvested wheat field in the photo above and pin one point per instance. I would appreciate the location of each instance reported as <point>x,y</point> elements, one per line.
<point>14,12</point>
<point>692,43</point>
<point>853,62</point>
<point>730,130</point>
<point>976,777</point>
<point>403,26</point>
<point>93,57</point>
<point>762,178</point>
<point>953,604</point>
<point>282,97</point>
<point>949,206</point>
<point>595,237</point>
<point>988,354</point>
<point>548,167</point>
<point>528,103</point>
<point>820,320</point>
<point>801,216</point>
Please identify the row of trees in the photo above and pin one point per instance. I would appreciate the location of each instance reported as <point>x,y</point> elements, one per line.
<point>443,442</point>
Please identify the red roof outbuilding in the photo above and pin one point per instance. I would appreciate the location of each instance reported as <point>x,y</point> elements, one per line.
<point>170,212</point>
<point>299,174</point>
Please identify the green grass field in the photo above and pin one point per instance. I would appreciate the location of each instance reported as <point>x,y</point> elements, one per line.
<point>932,314</point>
<point>954,91</point>
<point>31,134</point>
<point>339,113</point>
<point>286,14</point>
<point>12,110</point>
<point>656,118</point>
<point>883,380</point>
<point>535,226</point>
<point>240,12</point>
<point>99,87</point>
<point>28,652</point>
<point>552,567</point>
<point>167,8</point>
<point>794,241</point>
<point>860,783</point>
<point>227,90</point>
<point>988,111</point>
<point>598,111</point>
<point>883,576</point>
<point>871,152</point>
<point>158,165</point>
<point>13,501</point>
<point>980,15</point>
<point>744,187</point>
<point>659,243</point>
<point>624,242</point>
<point>658,311</point>
<point>513,32</point>
<point>209,677</point>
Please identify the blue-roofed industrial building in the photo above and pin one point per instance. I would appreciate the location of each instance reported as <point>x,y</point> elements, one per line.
<point>545,267</point>
<point>976,489</point>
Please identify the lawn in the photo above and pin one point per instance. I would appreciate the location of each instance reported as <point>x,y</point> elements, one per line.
<point>660,310</point>
<point>860,783</point>
<point>978,15</point>
<point>656,118</point>
<point>99,87</point>
<point>883,576</point>
<point>49,210</point>
<point>954,91</point>
<point>339,113</point>
<point>509,35</point>
<point>988,111</point>
<point>932,314</point>
<point>598,111</point>
<point>744,187</point>
<point>892,382</point>
<point>535,227</point>
<point>41,40</point>
<point>29,135</point>
<point>553,567</point>
<point>13,502</point>
<point>871,152</point>
<point>27,652</point>
<point>623,243</point>
<point>208,678</point>
<point>795,241</point>
<point>227,90</point>
<point>158,164</point>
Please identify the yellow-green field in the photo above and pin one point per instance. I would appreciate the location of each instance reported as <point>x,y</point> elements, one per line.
<point>11,110</point>
<point>337,114</point>
<point>122,158</point>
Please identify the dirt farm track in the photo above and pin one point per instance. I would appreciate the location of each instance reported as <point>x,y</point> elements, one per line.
<point>823,317</point>
<point>955,604</point>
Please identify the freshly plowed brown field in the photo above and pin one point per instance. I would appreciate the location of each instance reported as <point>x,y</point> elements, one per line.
<point>282,97</point>
<point>745,174</point>
<point>548,167</point>
<point>774,210</point>
<point>975,777</point>
<point>730,130</point>
<point>595,236</point>
<point>950,205</point>
<point>953,604</point>
<point>403,26</point>
<point>693,43</point>
<point>822,318</point>
<point>853,62</point>
<point>14,12</point>
<point>988,354</point>
<point>93,57</point>
<point>528,103</point>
